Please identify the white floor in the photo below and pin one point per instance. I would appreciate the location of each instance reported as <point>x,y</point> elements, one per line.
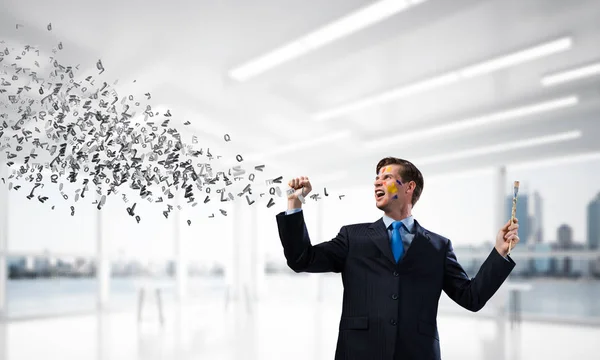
<point>273,330</point>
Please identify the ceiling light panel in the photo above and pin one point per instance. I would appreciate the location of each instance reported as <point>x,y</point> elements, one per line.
<point>504,147</point>
<point>466,124</point>
<point>327,34</point>
<point>482,68</point>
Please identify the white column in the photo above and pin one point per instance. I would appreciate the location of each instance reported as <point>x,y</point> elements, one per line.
<point>256,267</point>
<point>102,335</point>
<point>3,340</point>
<point>246,261</point>
<point>319,237</point>
<point>103,267</point>
<point>259,245</point>
<point>500,299</point>
<point>181,262</point>
<point>234,270</point>
<point>500,214</point>
<point>3,239</point>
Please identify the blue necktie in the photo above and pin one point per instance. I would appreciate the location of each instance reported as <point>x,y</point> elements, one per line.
<point>397,246</point>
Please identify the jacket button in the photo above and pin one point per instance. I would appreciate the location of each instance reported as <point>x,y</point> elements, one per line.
<point>395,296</point>
<point>396,273</point>
<point>393,322</point>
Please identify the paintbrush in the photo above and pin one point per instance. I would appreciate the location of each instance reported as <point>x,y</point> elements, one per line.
<point>514,209</point>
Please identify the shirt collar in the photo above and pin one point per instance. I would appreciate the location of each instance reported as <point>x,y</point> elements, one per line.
<point>409,222</point>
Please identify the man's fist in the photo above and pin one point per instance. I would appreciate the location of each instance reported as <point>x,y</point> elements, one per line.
<point>302,186</point>
<point>507,237</point>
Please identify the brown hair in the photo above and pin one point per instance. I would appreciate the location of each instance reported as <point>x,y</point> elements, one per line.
<point>408,172</point>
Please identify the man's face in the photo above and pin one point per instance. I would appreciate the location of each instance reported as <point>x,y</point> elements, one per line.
<point>388,187</point>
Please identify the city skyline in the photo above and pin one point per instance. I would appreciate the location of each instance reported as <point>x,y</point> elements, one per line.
<point>531,231</point>
<point>565,190</point>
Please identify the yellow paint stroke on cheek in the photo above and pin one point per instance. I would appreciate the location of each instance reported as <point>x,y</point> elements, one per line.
<point>392,189</point>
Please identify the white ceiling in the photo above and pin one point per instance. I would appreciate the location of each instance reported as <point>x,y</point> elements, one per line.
<point>181,51</point>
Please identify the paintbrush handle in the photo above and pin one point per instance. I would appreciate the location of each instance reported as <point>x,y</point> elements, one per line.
<point>513,214</point>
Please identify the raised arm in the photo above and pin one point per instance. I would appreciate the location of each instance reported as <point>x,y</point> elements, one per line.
<point>301,255</point>
<point>473,294</point>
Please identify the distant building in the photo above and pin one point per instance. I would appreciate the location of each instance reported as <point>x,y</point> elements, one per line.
<point>29,263</point>
<point>579,266</point>
<point>522,214</point>
<point>595,267</point>
<point>565,237</point>
<point>171,268</point>
<point>542,265</point>
<point>571,266</point>
<point>593,224</point>
<point>17,262</point>
<point>41,264</point>
<point>538,222</point>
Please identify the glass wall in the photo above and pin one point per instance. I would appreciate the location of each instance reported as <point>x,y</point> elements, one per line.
<point>63,223</point>
<point>48,285</point>
<point>559,201</point>
<point>557,208</point>
<point>206,244</point>
<point>51,248</point>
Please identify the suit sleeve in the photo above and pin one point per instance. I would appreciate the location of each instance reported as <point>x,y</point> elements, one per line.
<point>301,255</point>
<point>473,294</point>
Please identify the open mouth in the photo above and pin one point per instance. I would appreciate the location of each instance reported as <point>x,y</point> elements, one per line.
<point>379,194</point>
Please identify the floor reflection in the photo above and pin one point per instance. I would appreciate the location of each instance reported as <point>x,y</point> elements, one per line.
<point>273,330</point>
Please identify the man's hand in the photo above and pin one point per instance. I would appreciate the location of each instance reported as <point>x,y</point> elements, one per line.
<point>508,233</point>
<point>303,187</point>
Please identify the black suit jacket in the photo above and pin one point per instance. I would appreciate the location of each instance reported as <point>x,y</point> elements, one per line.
<point>389,310</point>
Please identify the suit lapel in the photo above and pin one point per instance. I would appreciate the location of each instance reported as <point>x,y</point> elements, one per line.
<point>417,248</point>
<point>379,235</point>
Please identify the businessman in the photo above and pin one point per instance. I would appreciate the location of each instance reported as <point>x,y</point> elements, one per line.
<point>393,270</point>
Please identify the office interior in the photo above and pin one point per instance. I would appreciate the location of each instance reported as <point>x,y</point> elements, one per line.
<point>477,94</point>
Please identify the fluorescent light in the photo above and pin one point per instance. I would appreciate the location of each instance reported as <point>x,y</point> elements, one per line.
<point>511,114</point>
<point>485,67</point>
<point>302,145</point>
<point>389,96</point>
<point>518,57</point>
<point>354,22</point>
<point>571,75</point>
<point>568,159</point>
<point>500,148</point>
<point>270,60</point>
<point>331,32</point>
<point>454,175</point>
<point>527,165</point>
